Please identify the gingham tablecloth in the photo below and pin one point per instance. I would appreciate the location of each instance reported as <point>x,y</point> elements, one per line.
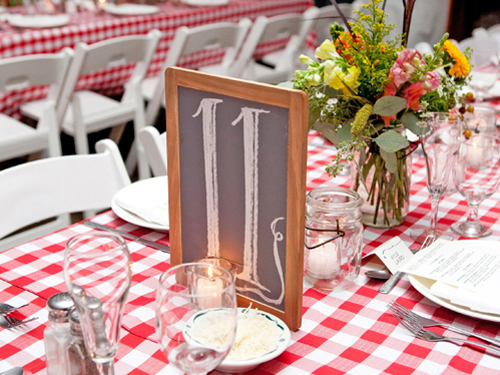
<point>90,27</point>
<point>342,332</point>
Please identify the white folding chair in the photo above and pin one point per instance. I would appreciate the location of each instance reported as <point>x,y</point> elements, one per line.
<point>17,138</point>
<point>281,66</point>
<point>155,147</point>
<point>225,35</point>
<point>35,191</point>
<point>82,112</point>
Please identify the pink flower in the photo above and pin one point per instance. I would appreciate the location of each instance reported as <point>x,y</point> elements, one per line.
<point>431,81</point>
<point>407,62</point>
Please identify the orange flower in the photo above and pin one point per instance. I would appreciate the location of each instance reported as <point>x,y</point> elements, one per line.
<point>461,67</point>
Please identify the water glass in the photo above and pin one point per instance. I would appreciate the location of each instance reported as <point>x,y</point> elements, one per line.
<point>476,176</point>
<point>440,147</point>
<point>196,313</point>
<point>97,274</point>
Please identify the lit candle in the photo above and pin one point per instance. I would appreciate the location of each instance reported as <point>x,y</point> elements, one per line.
<point>474,155</point>
<point>324,261</point>
<point>211,286</point>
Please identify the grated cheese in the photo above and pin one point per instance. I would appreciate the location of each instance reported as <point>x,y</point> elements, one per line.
<point>255,336</point>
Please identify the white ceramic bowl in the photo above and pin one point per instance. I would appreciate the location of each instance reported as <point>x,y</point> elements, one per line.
<point>239,366</point>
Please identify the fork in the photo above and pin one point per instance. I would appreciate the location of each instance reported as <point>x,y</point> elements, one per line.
<point>426,335</point>
<point>389,284</point>
<point>7,309</point>
<point>411,316</point>
<point>10,322</point>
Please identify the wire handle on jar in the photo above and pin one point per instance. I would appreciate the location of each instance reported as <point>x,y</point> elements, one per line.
<point>340,233</point>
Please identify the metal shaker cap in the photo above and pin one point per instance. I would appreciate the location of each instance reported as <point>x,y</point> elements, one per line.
<point>59,306</point>
<point>74,321</point>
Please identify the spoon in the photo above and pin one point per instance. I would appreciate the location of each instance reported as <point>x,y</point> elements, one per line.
<point>382,274</point>
<point>13,371</point>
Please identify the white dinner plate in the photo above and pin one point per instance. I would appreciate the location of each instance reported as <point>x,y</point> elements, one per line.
<point>131,9</point>
<point>133,218</point>
<point>38,21</point>
<point>205,2</point>
<point>423,286</point>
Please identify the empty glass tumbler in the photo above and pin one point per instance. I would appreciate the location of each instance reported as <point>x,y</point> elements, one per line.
<point>333,237</point>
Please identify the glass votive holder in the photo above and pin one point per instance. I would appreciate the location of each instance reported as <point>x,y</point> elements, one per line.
<point>333,238</point>
<point>221,262</point>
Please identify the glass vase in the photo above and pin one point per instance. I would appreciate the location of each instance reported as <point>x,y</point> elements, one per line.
<point>384,186</point>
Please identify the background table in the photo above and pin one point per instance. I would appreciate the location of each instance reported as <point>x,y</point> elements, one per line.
<point>90,27</point>
<point>342,332</point>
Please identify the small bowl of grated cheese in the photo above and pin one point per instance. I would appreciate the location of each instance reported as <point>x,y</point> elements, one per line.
<point>260,337</point>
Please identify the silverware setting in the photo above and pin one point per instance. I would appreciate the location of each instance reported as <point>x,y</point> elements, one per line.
<point>389,284</point>
<point>427,335</point>
<point>411,316</point>
<point>7,309</point>
<point>10,322</point>
<point>155,245</point>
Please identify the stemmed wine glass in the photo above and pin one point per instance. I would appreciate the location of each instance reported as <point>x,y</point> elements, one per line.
<point>440,146</point>
<point>97,274</point>
<point>476,176</point>
<point>196,314</point>
<point>484,73</point>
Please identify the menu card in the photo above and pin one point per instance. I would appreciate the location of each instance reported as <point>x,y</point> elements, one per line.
<point>467,273</point>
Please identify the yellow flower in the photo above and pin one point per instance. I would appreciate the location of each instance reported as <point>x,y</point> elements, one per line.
<point>336,78</point>
<point>461,68</point>
<point>326,50</point>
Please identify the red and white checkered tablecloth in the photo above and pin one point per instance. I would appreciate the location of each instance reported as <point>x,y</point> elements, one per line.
<point>342,332</point>
<point>89,27</point>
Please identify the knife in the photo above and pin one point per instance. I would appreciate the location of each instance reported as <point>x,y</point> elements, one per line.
<point>156,245</point>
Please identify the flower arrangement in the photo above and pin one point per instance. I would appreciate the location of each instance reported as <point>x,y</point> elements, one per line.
<point>364,89</point>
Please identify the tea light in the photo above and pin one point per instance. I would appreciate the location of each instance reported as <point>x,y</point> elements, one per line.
<point>474,155</point>
<point>323,262</point>
<point>209,285</point>
<point>221,262</point>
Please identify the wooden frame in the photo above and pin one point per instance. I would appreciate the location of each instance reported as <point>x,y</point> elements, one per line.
<point>295,102</point>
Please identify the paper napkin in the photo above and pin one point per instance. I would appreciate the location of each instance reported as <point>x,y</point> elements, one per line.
<point>467,273</point>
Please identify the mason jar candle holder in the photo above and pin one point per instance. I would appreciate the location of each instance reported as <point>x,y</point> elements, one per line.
<point>333,238</point>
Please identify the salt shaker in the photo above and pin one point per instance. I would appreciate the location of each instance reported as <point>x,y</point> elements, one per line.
<point>333,238</point>
<point>79,360</point>
<point>56,335</point>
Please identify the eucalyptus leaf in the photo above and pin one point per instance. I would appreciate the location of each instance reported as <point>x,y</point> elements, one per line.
<point>412,123</point>
<point>344,132</point>
<point>391,141</point>
<point>391,160</point>
<point>389,105</point>
<point>326,129</point>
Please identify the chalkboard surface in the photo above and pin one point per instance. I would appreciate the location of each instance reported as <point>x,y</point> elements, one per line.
<point>237,157</point>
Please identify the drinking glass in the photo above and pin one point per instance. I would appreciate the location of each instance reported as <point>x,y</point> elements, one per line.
<point>440,147</point>
<point>97,274</point>
<point>476,176</point>
<point>484,72</point>
<point>196,314</point>
<point>482,120</point>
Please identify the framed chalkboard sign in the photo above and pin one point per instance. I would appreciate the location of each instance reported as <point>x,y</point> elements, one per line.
<point>237,155</point>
